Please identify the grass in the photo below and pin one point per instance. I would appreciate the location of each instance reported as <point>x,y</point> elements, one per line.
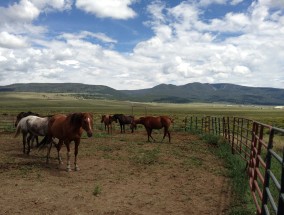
<point>145,156</point>
<point>97,190</point>
<point>243,203</point>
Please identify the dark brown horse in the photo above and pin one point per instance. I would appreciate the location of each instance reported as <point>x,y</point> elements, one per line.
<point>66,129</point>
<point>123,120</point>
<point>151,122</point>
<point>107,120</point>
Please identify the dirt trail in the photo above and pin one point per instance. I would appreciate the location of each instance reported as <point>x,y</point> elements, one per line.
<point>120,174</point>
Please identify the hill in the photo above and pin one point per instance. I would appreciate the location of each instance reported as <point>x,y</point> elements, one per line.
<point>192,92</point>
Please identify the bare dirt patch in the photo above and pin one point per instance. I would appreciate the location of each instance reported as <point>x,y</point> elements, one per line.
<point>120,174</point>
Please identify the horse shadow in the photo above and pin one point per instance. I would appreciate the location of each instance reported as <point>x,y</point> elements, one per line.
<point>34,163</point>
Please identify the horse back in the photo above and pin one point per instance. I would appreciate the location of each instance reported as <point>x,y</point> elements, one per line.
<point>56,126</point>
<point>156,122</point>
<point>166,121</point>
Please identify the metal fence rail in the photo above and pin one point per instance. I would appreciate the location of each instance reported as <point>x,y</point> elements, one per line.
<point>254,142</point>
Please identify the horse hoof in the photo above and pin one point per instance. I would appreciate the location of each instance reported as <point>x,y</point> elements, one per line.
<point>77,168</point>
<point>68,169</point>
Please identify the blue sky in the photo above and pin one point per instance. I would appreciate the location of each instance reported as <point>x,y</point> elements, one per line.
<point>135,44</point>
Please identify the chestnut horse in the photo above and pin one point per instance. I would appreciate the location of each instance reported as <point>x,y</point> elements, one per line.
<point>151,122</point>
<point>66,129</point>
<point>107,120</point>
<point>123,120</point>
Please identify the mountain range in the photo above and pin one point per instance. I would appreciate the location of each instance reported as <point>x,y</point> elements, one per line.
<point>168,93</point>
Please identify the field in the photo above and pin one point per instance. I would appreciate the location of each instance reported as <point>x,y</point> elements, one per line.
<point>120,173</point>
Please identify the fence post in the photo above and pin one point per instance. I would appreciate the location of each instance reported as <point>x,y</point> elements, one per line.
<point>219,126</point>
<point>241,134</point>
<point>185,123</point>
<point>233,135</point>
<point>281,194</point>
<point>224,127</point>
<point>267,168</point>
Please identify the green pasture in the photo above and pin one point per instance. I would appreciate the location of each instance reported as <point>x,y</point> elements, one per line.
<point>12,103</point>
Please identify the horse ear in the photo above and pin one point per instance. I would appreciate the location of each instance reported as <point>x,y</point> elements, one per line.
<point>76,118</point>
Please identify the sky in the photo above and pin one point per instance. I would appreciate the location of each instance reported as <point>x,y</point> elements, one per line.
<point>137,44</point>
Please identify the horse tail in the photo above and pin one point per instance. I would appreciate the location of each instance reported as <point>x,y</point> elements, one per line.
<point>43,142</point>
<point>18,129</point>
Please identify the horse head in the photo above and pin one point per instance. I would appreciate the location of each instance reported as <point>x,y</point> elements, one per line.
<point>84,120</point>
<point>103,118</point>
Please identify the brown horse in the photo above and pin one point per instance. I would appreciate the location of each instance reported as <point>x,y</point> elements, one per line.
<point>123,120</point>
<point>107,120</point>
<point>151,122</point>
<point>66,129</point>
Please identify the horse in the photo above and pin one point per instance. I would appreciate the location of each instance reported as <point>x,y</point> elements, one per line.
<point>123,120</point>
<point>107,120</point>
<point>34,126</point>
<point>68,128</point>
<point>151,122</point>
<point>24,114</point>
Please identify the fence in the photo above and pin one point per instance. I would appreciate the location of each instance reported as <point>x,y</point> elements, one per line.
<point>254,142</point>
<point>7,123</point>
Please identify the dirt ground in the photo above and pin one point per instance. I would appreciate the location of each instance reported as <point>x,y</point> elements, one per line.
<point>119,174</point>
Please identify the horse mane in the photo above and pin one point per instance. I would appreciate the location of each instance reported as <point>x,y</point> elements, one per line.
<point>75,118</point>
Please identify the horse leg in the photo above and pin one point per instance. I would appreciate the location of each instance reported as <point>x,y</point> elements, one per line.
<point>165,133</point>
<point>37,141</point>
<point>169,135</point>
<point>68,155</point>
<point>77,142</point>
<point>59,145</point>
<point>24,142</point>
<point>151,134</point>
<point>29,143</point>
<point>50,140</point>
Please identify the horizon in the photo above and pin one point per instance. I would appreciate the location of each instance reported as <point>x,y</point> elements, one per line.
<point>139,44</point>
<point>141,88</point>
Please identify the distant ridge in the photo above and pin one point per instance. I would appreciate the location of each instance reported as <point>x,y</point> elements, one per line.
<point>192,92</point>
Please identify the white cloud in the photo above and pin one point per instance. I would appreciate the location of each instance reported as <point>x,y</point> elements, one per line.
<point>24,11</point>
<point>208,2</point>
<point>242,48</point>
<point>108,8</point>
<point>236,2</point>
<point>12,41</point>
<point>52,5</point>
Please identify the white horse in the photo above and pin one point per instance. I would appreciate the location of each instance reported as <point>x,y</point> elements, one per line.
<point>34,126</point>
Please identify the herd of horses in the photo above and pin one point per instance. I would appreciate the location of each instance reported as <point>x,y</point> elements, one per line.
<point>68,128</point>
